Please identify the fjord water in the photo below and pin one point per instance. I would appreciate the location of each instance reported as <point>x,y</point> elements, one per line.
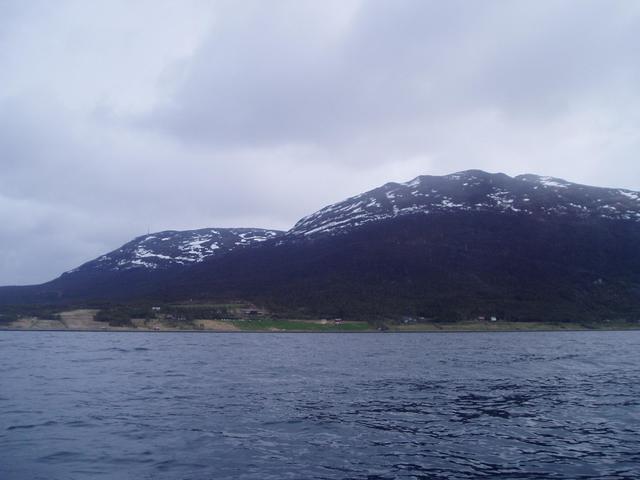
<point>259,406</point>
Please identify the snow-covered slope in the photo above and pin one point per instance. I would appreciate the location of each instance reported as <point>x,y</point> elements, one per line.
<point>172,248</point>
<point>472,190</point>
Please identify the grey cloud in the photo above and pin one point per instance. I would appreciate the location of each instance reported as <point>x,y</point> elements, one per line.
<point>70,190</point>
<point>280,108</point>
<point>267,78</point>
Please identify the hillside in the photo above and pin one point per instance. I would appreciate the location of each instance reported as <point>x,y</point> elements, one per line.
<point>452,247</point>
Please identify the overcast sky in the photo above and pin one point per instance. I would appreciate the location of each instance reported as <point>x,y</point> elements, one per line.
<point>119,116</point>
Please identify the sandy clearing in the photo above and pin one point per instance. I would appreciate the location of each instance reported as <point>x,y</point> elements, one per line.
<point>81,319</point>
<point>216,325</point>
<point>34,323</point>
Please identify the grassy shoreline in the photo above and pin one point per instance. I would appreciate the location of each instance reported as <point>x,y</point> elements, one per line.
<point>364,328</point>
<point>244,317</point>
<point>80,320</point>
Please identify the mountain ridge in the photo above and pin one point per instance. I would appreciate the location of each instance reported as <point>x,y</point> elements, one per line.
<point>425,194</point>
<point>448,246</point>
<point>161,250</point>
<point>471,190</point>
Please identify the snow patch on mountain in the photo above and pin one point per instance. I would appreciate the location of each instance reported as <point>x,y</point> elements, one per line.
<point>553,182</point>
<point>472,190</point>
<point>632,195</point>
<point>173,248</point>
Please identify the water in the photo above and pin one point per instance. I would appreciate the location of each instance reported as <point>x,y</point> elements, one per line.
<point>334,406</point>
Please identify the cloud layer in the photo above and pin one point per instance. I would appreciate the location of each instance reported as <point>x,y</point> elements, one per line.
<point>118,117</point>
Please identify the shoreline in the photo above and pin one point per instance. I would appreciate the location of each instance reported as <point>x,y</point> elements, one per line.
<point>86,320</point>
<point>183,330</point>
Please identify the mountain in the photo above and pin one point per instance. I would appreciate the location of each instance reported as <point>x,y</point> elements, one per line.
<point>164,250</point>
<point>140,267</point>
<point>441,247</point>
<point>472,191</point>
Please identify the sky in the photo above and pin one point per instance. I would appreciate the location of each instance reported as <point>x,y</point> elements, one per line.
<point>119,117</point>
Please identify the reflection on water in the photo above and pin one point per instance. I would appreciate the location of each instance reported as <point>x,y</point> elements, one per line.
<point>353,406</point>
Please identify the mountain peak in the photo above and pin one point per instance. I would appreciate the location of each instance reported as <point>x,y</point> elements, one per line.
<point>169,248</point>
<point>472,190</point>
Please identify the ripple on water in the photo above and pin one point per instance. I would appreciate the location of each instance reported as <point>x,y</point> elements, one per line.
<point>561,406</point>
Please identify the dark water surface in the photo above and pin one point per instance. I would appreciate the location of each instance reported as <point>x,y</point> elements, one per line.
<point>358,406</point>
